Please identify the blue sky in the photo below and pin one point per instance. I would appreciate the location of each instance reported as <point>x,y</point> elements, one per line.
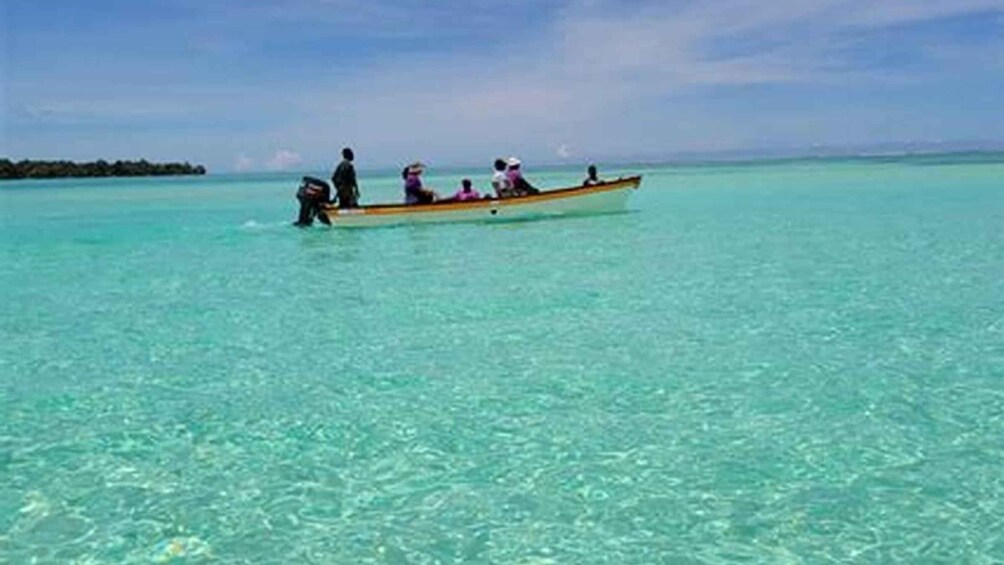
<point>257,85</point>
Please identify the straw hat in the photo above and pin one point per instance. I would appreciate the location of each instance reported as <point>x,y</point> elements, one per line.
<point>513,162</point>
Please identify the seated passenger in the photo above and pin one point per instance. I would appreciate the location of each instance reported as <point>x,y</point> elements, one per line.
<point>520,185</point>
<point>414,192</point>
<point>591,179</point>
<point>500,182</point>
<point>467,192</point>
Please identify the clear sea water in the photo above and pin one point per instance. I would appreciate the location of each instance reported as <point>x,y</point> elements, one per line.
<point>785,362</point>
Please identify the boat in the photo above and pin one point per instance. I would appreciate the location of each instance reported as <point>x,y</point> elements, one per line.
<point>605,197</point>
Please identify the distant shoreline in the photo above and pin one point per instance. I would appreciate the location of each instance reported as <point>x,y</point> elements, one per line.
<point>32,169</point>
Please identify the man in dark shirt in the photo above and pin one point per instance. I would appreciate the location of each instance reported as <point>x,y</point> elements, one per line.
<point>344,179</point>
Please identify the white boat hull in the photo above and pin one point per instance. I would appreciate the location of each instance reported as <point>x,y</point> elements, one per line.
<point>604,198</point>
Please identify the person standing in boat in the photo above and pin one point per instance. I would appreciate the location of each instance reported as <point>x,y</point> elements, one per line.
<point>500,182</point>
<point>591,178</point>
<point>414,192</point>
<point>344,181</point>
<point>515,175</point>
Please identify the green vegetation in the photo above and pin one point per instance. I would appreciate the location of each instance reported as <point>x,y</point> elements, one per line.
<point>60,169</point>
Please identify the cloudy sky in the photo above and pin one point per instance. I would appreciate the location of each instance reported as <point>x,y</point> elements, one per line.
<point>260,85</point>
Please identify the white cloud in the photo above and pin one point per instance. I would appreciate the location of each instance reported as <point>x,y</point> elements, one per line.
<point>243,163</point>
<point>282,160</point>
<point>563,152</point>
<point>900,12</point>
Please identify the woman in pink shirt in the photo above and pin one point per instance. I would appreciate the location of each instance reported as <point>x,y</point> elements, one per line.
<point>466,192</point>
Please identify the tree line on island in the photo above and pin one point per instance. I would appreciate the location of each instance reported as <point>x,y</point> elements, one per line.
<point>26,169</point>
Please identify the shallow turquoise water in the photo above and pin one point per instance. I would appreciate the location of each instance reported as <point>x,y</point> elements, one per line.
<point>795,362</point>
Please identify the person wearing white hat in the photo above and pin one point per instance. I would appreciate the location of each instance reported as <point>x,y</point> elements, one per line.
<point>414,192</point>
<point>515,176</point>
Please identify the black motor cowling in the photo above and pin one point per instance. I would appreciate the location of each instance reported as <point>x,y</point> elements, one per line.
<point>314,188</point>
<point>312,194</point>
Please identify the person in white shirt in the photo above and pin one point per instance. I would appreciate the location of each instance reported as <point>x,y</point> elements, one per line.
<point>500,182</point>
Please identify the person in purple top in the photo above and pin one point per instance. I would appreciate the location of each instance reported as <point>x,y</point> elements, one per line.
<point>414,192</point>
<point>515,175</point>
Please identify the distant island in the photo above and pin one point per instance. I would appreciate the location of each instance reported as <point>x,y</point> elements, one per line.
<point>63,169</point>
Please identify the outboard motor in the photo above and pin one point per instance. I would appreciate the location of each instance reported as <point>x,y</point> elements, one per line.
<point>313,192</point>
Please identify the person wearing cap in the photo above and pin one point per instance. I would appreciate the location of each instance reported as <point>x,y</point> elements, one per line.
<point>414,192</point>
<point>344,180</point>
<point>515,176</point>
<point>591,178</point>
<point>500,182</point>
<point>466,192</point>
